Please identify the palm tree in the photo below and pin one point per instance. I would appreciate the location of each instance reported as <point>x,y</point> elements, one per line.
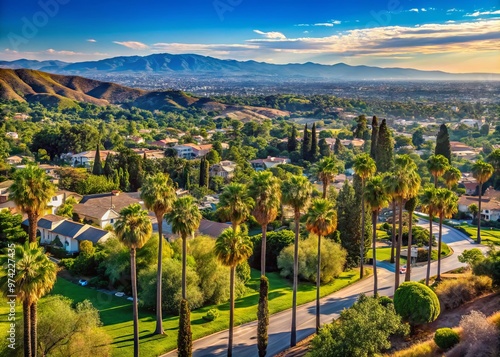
<point>428,201</point>
<point>473,209</point>
<point>410,206</point>
<point>365,167</point>
<point>452,176</point>
<point>321,219</point>
<point>232,248</point>
<point>185,219</point>
<point>446,206</point>
<point>376,197</point>
<point>482,172</point>
<point>235,204</point>
<point>34,277</point>
<point>437,165</point>
<point>133,229</point>
<point>158,195</point>
<point>266,192</point>
<point>296,193</point>
<point>31,191</point>
<point>325,170</point>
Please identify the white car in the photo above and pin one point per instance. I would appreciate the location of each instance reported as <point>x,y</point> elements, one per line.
<point>83,282</point>
<point>402,270</point>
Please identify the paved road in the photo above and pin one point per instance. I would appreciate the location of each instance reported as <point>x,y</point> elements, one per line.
<point>279,324</point>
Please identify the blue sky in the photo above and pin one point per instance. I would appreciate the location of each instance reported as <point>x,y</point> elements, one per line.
<point>454,36</point>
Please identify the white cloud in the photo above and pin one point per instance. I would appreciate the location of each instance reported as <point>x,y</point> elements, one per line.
<point>306,32</point>
<point>423,9</point>
<point>481,13</point>
<point>325,24</point>
<point>207,49</point>
<point>133,45</point>
<point>51,54</point>
<point>336,22</point>
<point>414,10</point>
<point>91,40</point>
<point>271,35</point>
<point>450,22</point>
<point>330,23</point>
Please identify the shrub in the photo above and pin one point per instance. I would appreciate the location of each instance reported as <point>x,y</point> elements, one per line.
<point>446,338</point>
<point>67,263</point>
<point>416,303</point>
<point>211,315</point>
<point>490,266</point>
<point>385,301</point>
<point>184,337</point>
<point>419,237</point>
<point>263,317</point>
<point>333,259</point>
<point>276,241</point>
<point>471,257</point>
<point>422,255</point>
<point>243,272</point>
<point>455,292</point>
<point>362,330</point>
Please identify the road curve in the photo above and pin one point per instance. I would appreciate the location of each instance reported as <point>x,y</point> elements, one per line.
<point>279,324</point>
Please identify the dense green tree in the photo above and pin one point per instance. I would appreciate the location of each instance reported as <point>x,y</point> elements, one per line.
<point>437,166</point>
<point>385,148</point>
<point>443,143</point>
<point>10,228</point>
<point>321,220</point>
<point>31,191</point>
<point>292,140</point>
<point>349,223</point>
<point>158,196</point>
<point>417,138</point>
<point>338,147</point>
<point>361,130</point>
<point>374,138</point>
<point>313,153</point>
<point>306,144</point>
<point>296,193</point>
<point>213,157</point>
<point>324,148</point>
<point>362,330</point>
<point>97,168</point>
<point>232,248</point>
<point>482,172</point>
<point>133,229</point>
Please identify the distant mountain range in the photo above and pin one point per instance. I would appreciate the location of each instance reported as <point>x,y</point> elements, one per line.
<point>65,91</point>
<point>196,65</point>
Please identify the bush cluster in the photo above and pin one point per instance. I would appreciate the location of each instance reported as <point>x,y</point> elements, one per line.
<point>416,303</point>
<point>455,292</point>
<point>446,338</point>
<point>211,315</point>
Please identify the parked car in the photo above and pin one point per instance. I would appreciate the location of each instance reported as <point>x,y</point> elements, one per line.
<point>83,282</point>
<point>402,270</point>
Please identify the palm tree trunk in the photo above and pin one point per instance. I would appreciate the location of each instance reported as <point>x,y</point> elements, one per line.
<point>399,243</point>
<point>318,285</point>
<point>293,338</point>
<point>34,330</point>
<point>263,251</point>
<point>362,243</point>
<point>32,221</point>
<point>374,248</point>
<point>439,247</point>
<point>184,254</point>
<point>27,328</point>
<point>435,181</point>
<point>325,189</point>
<point>479,214</point>
<point>231,313</point>
<point>133,272</point>
<point>431,238</point>
<point>408,256</point>
<point>159,320</point>
<point>393,238</point>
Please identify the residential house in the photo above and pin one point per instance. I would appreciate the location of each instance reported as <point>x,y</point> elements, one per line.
<point>4,190</point>
<point>136,139</point>
<point>267,163</point>
<point>103,209</point>
<point>14,160</point>
<point>150,154</point>
<point>67,234</point>
<point>12,135</point>
<point>490,204</point>
<point>463,151</point>
<point>192,151</point>
<point>164,143</point>
<point>86,158</point>
<point>354,143</point>
<point>224,169</point>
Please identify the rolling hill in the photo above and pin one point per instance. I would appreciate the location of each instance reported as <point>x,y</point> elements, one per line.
<point>191,64</point>
<point>53,89</point>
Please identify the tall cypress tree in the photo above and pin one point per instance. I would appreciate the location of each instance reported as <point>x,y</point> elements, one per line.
<point>97,169</point>
<point>292,140</point>
<point>184,335</point>
<point>338,147</point>
<point>324,148</point>
<point>206,172</point>
<point>443,143</point>
<point>186,173</point>
<point>385,148</point>
<point>373,148</point>
<point>109,166</point>
<point>306,144</point>
<point>201,180</point>
<point>263,317</point>
<point>313,153</point>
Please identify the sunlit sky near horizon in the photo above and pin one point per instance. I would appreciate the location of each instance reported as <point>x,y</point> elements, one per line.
<point>453,36</point>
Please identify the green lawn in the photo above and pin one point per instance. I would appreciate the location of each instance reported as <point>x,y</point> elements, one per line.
<point>382,234</point>
<point>116,312</point>
<point>487,234</point>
